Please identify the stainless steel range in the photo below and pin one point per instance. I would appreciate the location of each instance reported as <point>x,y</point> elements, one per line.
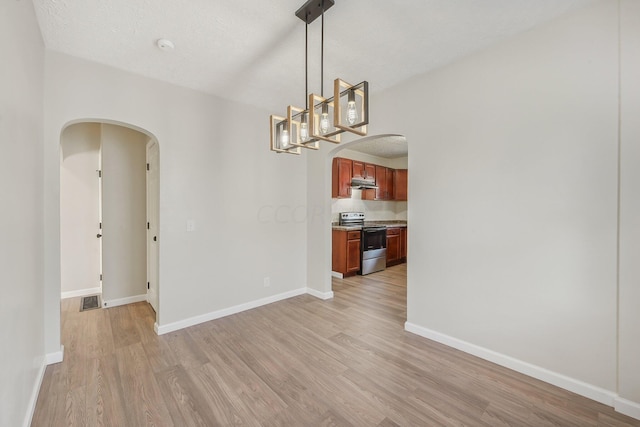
<point>373,242</point>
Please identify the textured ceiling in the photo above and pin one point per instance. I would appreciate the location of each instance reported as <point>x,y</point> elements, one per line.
<point>387,146</point>
<point>253,51</point>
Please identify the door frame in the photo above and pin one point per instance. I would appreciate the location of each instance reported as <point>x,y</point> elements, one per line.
<point>153,223</point>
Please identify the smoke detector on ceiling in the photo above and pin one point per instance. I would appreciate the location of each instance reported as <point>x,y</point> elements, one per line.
<point>164,44</point>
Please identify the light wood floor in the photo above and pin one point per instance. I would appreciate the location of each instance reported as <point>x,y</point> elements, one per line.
<point>299,362</point>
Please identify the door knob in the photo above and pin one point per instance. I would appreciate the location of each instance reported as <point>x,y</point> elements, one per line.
<point>155,238</point>
<point>98,235</point>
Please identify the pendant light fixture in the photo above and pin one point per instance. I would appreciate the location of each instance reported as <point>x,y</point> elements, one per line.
<point>322,118</point>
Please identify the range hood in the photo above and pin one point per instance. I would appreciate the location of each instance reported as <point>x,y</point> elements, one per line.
<point>361,183</point>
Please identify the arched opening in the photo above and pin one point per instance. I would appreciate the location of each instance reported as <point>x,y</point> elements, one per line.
<point>383,160</point>
<point>109,214</point>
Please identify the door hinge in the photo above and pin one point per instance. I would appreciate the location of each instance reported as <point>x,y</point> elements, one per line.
<point>99,174</point>
<point>147,225</point>
<point>147,166</point>
<point>101,277</point>
<point>148,287</point>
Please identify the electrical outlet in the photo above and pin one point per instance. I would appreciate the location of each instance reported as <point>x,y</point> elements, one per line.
<point>267,282</point>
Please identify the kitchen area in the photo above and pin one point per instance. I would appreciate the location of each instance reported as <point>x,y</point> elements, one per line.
<point>369,207</point>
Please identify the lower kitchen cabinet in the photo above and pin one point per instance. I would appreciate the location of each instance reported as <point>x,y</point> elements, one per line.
<point>345,252</point>
<point>396,245</point>
<point>393,246</point>
<point>403,244</point>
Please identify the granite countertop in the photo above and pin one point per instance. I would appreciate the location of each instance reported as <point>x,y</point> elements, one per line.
<point>387,223</point>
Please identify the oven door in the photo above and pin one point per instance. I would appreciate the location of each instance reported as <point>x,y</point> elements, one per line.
<point>374,250</point>
<point>374,238</point>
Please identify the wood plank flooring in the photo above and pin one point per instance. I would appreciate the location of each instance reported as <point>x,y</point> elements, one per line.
<point>299,362</point>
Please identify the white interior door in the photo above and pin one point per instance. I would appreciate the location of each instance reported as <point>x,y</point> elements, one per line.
<point>153,208</point>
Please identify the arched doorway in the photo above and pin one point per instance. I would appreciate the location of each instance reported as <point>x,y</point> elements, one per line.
<point>109,212</point>
<point>386,154</point>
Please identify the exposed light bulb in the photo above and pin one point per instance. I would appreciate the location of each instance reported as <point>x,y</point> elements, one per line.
<point>352,112</point>
<point>284,139</point>
<point>324,119</point>
<point>324,123</point>
<point>304,132</point>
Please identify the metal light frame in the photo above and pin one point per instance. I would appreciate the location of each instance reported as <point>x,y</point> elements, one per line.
<point>278,124</point>
<point>294,117</point>
<point>315,104</point>
<point>360,92</point>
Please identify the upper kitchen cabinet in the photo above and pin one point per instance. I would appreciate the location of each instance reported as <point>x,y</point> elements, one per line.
<point>391,183</point>
<point>401,184</point>
<point>385,181</point>
<point>341,175</point>
<point>364,170</point>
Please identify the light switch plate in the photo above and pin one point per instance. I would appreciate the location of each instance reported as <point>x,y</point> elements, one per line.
<point>191,225</point>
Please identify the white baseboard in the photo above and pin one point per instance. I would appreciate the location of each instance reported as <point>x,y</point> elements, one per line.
<point>164,329</point>
<point>576,386</point>
<point>81,293</point>
<point>336,274</point>
<point>123,301</point>
<point>55,357</point>
<point>31,407</point>
<point>627,407</point>
<point>321,295</point>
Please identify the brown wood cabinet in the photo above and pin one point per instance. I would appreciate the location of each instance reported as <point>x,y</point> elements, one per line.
<point>345,252</point>
<point>401,184</point>
<point>385,183</point>
<point>364,170</point>
<point>391,183</point>
<point>342,171</point>
<point>393,246</point>
<point>403,244</point>
<point>396,245</point>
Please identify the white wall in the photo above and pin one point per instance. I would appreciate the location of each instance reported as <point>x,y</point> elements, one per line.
<point>124,213</point>
<point>79,209</point>
<point>216,169</point>
<point>629,367</point>
<point>21,219</point>
<point>515,186</point>
<point>514,181</point>
<point>373,209</point>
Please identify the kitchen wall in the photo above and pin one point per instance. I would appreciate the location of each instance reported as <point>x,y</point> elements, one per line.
<point>515,181</point>
<point>214,171</point>
<point>21,217</point>
<point>374,209</point>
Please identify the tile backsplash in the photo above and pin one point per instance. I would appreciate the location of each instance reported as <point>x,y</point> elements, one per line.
<point>373,209</point>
